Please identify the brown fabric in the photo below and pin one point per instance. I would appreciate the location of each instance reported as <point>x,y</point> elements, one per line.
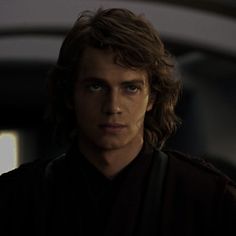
<point>103,201</point>
<point>196,200</point>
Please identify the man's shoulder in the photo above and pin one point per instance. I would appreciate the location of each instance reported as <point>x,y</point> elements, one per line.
<point>183,164</point>
<point>29,171</point>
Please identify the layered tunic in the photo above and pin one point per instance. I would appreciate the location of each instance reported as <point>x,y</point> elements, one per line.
<point>158,193</point>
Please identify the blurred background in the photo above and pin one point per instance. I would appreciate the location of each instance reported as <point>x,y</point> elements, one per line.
<point>200,34</point>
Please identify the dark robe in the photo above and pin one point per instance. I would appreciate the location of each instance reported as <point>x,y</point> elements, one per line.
<point>159,193</point>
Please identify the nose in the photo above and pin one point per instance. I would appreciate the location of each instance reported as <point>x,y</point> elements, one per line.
<point>112,103</point>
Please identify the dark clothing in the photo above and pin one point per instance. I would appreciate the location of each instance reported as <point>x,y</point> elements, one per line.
<point>156,194</point>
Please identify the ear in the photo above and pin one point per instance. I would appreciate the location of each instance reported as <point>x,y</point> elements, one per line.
<point>151,102</point>
<point>149,106</point>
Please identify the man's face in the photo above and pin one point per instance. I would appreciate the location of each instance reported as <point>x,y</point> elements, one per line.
<point>110,101</point>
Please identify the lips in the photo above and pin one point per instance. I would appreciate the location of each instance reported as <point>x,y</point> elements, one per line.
<point>112,127</point>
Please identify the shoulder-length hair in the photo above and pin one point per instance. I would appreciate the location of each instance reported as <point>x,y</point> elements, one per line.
<point>135,44</point>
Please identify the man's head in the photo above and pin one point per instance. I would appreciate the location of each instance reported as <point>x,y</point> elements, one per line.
<point>134,46</point>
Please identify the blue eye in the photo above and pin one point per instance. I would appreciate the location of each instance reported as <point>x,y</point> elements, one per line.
<point>95,87</point>
<point>132,88</point>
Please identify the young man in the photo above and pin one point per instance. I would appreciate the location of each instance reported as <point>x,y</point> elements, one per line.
<point>113,96</point>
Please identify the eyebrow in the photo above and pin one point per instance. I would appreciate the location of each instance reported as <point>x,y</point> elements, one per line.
<point>92,79</point>
<point>134,81</point>
<point>103,81</point>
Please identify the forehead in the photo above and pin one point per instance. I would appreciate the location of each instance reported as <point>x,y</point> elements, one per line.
<point>101,63</point>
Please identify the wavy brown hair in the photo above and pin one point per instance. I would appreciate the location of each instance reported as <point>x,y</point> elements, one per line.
<point>136,44</point>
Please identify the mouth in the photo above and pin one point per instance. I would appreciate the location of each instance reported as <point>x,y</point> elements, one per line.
<point>112,127</point>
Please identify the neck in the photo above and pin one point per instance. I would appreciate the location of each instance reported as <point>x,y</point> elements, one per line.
<point>111,161</point>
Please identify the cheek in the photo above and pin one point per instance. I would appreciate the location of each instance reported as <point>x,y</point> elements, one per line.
<point>85,109</point>
<point>138,110</point>
<point>140,105</point>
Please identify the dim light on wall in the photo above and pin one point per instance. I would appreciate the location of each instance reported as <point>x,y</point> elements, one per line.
<point>8,151</point>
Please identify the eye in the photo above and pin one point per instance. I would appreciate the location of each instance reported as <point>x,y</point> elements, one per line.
<point>95,87</point>
<point>132,88</point>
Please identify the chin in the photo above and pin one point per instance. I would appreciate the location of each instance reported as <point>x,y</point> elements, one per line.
<point>110,144</point>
